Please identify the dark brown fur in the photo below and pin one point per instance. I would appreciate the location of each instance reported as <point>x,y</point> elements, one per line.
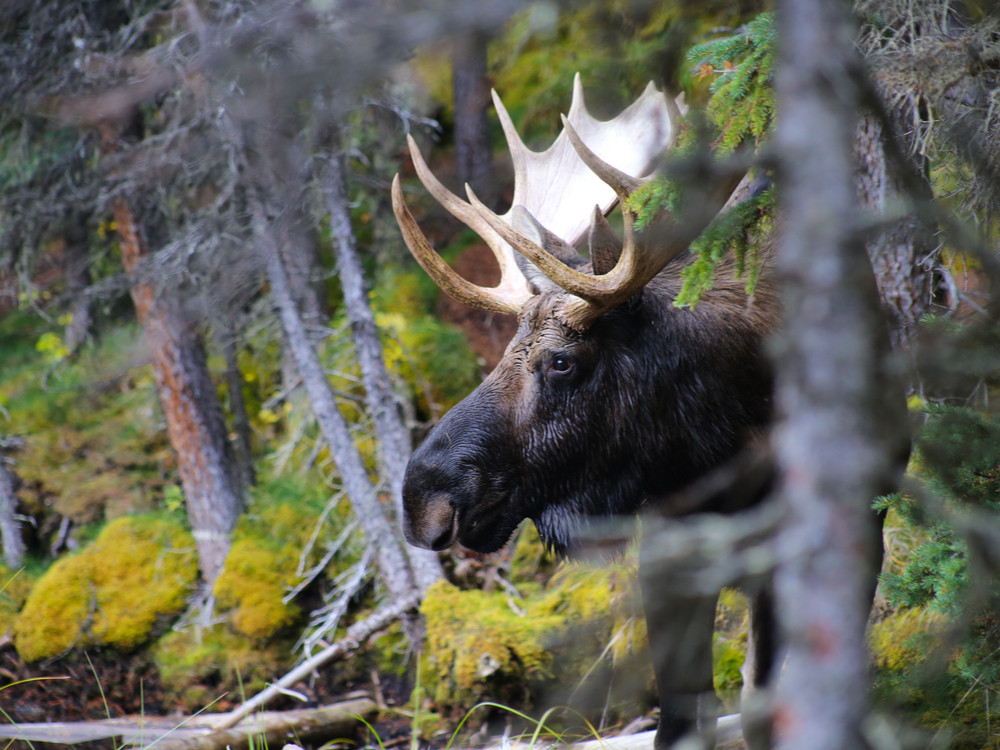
<point>576,426</point>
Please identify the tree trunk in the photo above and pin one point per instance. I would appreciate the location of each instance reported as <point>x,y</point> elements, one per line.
<point>238,407</point>
<point>364,496</point>
<point>77,270</point>
<point>471,90</point>
<point>191,407</point>
<point>904,254</point>
<point>10,526</point>
<point>393,436</point>
<point>835,418</point>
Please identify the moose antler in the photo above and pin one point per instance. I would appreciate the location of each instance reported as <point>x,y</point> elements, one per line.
<point>591,164</point>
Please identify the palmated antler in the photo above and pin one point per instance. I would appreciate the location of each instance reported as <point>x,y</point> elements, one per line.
<point>564,191</point>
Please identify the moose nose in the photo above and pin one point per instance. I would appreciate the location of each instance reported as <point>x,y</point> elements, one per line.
<point>433,524</point>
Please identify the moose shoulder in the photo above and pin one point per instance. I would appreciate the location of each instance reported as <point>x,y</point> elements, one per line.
<point>609,398</point>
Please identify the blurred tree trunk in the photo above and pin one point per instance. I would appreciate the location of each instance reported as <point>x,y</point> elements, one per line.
<point>77,269</point>
<point>237,405</point>
<point>195,422</point>
<point>394,445</point>
<point>278,156</point>
<point>834,437</point>
<point>471,89</point>
<point>10,525</point>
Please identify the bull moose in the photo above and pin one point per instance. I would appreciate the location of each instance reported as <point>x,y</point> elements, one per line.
<point>609,400</point>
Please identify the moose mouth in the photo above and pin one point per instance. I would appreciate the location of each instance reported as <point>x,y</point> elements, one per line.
<point>438,523</point>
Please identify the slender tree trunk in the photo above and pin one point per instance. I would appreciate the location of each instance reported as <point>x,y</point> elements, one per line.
<point>194,417</point>
<point>77,270</point>
<point>832,438</point>
<point>363,494</point>
<point>238,407</point>
<point>10,526</point>
<point>471,89</point>
<point>390,427</point>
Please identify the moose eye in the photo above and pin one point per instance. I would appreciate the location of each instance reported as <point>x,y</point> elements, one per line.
<point>561,364</point>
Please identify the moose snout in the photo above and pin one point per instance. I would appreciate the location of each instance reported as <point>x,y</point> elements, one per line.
<point>431,523</point>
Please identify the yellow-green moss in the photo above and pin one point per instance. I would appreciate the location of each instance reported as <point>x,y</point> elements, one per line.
<point>262,565</point>
<point>905,638</point>
<point>138,572</point>
<point>490,645</point>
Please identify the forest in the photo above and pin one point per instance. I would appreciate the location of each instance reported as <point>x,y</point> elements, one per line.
<point>217,356</point>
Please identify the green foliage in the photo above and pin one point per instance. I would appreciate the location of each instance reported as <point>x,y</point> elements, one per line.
<point>134,577</point>
<point>742,103</point>
<point>199,665</point>
<point>617,48</point>
<point>94,444</point>
<point>946,598</point>
<point>737,232</point>
<point>433,358</point>
<point>958,457</point>
<point>15,585</point>
<point>741,107</point>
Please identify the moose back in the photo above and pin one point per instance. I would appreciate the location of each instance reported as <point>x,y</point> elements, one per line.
<point>609,399</point>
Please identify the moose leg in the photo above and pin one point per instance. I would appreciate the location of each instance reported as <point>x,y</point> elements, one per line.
<point>680,644</point>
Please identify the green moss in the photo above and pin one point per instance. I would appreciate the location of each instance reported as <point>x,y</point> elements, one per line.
<point>489,645</point>
<point>262,565</point>
<point>906,637</point>
<point>137,573</point>
<point>729,646</point>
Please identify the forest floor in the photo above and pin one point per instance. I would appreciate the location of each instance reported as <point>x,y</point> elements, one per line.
<point>95,686</point>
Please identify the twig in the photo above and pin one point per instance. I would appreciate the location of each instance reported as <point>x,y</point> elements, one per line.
<point>356,635</point>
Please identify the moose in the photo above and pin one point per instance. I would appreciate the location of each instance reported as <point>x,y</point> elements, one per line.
<point>609,400</point>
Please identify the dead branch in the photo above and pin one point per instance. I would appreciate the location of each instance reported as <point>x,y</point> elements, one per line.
<point>356,636</point>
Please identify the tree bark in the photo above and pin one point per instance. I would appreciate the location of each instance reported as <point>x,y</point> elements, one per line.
<point>471,89</point>
<point>77,270</point>
<point>835,425</point>
<point>191,407</point>
<point>238,406</point>
<point>394,445</point>
<point>363,494</point>
<point>10,526</point>
<point>904,253</point>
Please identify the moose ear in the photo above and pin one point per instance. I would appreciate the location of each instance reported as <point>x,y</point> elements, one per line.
<point>527,225</point>
<point>605,246</point>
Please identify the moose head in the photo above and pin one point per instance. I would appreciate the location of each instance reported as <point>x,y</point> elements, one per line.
<point>608,397</point>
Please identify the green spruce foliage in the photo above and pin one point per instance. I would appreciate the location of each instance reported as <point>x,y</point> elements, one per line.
<point>740,114</point>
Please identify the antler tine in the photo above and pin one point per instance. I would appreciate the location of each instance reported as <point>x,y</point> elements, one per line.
<point>502,298</point>
<point>513,286</point>
<point>584,285</point>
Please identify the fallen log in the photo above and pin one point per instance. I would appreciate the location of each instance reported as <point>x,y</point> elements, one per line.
<point>265,729</point>
<point>274,729</point>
